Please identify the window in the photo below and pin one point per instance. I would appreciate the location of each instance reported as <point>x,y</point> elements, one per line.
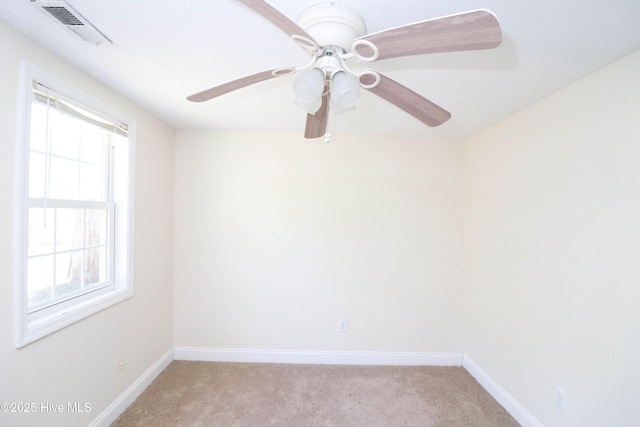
<point>77,200</point>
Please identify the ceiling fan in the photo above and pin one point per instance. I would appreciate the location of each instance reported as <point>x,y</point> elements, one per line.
<point>333,34</point>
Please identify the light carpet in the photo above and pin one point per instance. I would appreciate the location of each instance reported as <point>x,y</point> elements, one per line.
<point>248,394</point>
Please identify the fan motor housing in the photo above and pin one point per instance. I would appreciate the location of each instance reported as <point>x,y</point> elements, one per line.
<point>332,24</point>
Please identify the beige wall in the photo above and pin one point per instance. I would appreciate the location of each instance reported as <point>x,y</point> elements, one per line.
<point>277,237</point>
<point>553,251</point>
<point>80,362</point>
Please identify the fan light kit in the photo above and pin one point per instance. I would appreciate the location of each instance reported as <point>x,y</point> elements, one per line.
<point>333,34</point>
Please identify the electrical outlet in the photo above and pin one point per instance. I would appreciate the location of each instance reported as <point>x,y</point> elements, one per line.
<point>560,399</point>
<point>343,325</point>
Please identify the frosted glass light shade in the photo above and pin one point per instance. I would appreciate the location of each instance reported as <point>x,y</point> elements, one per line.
<point>345,93</point>
<point>310,107</point>
<point>309,85</point>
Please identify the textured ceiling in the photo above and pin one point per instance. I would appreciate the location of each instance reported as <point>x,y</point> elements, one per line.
<point>165,50</point>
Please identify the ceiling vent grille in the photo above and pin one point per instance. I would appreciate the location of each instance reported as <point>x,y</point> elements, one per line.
<point>64,14</point>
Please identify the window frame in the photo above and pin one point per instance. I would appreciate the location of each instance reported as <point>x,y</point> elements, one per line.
<point>33,327</point>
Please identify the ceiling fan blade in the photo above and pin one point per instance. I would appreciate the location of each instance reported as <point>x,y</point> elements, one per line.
<point>473,30</point>
<point>317,123</point>
<point>406,99</point>
<point>216,91</point>
<point>272,14</point>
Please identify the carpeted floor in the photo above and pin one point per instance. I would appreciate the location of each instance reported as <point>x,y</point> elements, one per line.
<point>246,394</point>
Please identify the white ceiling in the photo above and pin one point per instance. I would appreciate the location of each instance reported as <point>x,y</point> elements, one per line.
<point>165,50</point>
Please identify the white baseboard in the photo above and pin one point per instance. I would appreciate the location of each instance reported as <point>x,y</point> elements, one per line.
<point>113,411</point>
<point>317,357</point>
<point>516,410</point>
